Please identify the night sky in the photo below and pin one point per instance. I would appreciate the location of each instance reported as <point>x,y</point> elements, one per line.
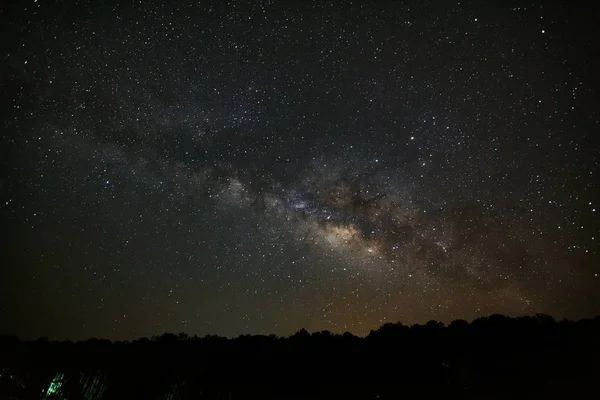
<point>259,167</point>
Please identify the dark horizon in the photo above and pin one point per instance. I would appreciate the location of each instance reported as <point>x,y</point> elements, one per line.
<point>195,335</point>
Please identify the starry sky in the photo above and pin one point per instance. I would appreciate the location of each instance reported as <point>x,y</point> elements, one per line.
<point>258,167</point>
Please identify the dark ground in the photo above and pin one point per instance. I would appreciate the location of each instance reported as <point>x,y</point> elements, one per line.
<point>493,357</point>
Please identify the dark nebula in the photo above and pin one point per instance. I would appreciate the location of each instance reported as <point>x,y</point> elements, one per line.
<point>255,167</point>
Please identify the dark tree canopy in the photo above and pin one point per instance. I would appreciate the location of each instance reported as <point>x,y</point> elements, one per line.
<point>492,357</point>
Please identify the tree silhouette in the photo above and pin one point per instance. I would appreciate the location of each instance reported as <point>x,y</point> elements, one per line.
<point>495,357</point>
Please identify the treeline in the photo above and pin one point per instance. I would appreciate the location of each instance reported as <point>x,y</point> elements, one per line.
<point>491,357</point>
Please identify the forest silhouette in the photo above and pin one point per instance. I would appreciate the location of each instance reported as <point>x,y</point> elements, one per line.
<point>492,357</point>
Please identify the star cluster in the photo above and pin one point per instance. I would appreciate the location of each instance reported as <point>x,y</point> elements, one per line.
<point>256,167</point>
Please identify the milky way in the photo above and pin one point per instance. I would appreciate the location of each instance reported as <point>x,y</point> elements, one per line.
<point>259,168</point>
